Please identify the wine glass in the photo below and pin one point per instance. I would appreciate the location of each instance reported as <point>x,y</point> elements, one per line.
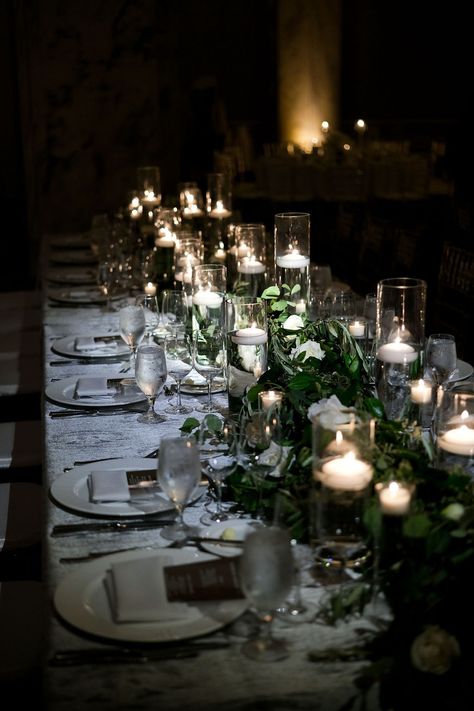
<point>266,573</point>
<point>179,362</point>
<point>218,451</point>
<point>209,360</point>
<point>174,310</point>
<point>179,473</point>
<point>108,280</point>
<point>132,328</point>
<point>150,374</point>
<point>150,308</point>
<point>259,450</point>
<point>441,359</point>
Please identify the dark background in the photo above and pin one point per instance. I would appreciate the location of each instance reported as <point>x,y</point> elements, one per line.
<point>93,89</point>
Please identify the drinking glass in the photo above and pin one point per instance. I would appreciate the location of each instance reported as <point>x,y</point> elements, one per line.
<point>209,360</point>
<point>108,280</point>
<point>259,450</point>
<point>132,328</point>
<point>320,276</point>
<point>266,572</point>
<point>174,310</point>
<point>179,362</point>
<point>179,473</point>
<point>150,309</point>
<point>150,374</point>
<point>218,451</point>
<point>441,359</point>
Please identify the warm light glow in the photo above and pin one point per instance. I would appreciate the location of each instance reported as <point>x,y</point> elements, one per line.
<point>347,146</point>
<point>325,126</point>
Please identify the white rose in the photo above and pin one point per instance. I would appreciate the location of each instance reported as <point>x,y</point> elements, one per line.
<point>434,650</point>
<point>333,411</point>
<point>293,323</point>
<point>311,349</point>
<point>454,512</point>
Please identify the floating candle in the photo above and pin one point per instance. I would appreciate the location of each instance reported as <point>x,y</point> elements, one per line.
<point>357,329</point>
<point>346,473</point>
<point>459,440</point>
<point>150,289</point>
<point>397,352</point>
<point>250,265</point>
<point>270,398</point>
<point>204,297</point>
<point>421,392</point>
<point>394,498</point>
<point>292,260</point>
<point>250,336</point>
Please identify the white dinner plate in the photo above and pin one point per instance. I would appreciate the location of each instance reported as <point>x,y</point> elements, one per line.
<point>65,347</point>
<point>463,370</point>
<point>81,600</point>
<point>127,393</point>
<point>241,528</point>
<point>73,276</point>
<point>81,295</point>
<point>73,256</point>
<point>71,490</point>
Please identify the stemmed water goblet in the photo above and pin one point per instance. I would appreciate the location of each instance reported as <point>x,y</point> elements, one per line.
<point>260,451</point>
<point>266,572</point>
<point>132,326</point>
<point>209,360</point>
<point>179,362</point>
<point>150,308</point>
<point>218,452</point>
<point>174,310</point>
<point>150,374</point>
<point>179,473</point>
<point>441,358</point>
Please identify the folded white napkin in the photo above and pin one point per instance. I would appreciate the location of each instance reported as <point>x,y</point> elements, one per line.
<point>137,591</point>
<point>92,387</point>
<point>88,343</point>
<point>108,485</point>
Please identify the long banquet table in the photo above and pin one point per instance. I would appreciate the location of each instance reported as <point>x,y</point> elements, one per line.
<point>215,677</point>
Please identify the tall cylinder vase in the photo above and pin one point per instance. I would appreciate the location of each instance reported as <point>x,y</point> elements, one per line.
<point>247,346</point>
<point>292,252</point>
<point>399,341</point>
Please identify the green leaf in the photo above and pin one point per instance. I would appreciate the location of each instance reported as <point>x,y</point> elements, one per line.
<point>296,289</point>
<point>190,424</point>
<point>271,292</point>
<point>279,305</point>
<point>417,526</point>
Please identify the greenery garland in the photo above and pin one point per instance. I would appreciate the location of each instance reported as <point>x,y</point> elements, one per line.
<point>425,558</point>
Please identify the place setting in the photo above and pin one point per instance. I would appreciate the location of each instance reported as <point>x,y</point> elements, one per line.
<point>91,347</point>
<point>83,296</point>
<point>73,257</point>
<point>116,488</point>
<point>76,276</point>
<point>95,392</point>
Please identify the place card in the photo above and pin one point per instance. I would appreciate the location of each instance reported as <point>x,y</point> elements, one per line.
<point>206,580</point>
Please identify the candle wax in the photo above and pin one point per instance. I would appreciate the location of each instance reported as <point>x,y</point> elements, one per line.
<point>394,499</point>
<point>346,473</point>
<point>397,352</point>
<point>459,440</point>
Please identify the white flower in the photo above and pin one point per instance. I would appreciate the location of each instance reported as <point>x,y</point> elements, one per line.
<point>454,512</point>
<point>293,323</point>
<point>311,349</point>
<point>332,411</point>
<point>434,650</point>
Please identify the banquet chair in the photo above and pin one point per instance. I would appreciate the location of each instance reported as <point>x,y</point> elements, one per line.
<point>21,451</point>
<point>22,641</point>
<point>21,518</point>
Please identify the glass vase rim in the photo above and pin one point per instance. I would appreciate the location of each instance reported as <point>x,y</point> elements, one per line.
<point>403,282</point>
<point>292,214</point>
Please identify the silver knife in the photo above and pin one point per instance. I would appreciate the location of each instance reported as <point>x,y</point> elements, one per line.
<point>217,541</point>
<point>94,413</point>
<point>110,526</point>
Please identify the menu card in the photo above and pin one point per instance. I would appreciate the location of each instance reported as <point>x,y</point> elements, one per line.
<point>205,580</point>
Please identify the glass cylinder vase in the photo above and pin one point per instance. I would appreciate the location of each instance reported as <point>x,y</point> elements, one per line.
<point>247,346</point>
<point>247,260</point>
<point>292,252</point>
<point>399,341</point>
<point>208,297</point>
<point>453,427</point>
<point>342,476</point>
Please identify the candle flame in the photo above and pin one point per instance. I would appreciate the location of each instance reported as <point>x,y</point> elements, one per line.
<point>464,415</point>
<point>339,437</point>
<point>393,487</point>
